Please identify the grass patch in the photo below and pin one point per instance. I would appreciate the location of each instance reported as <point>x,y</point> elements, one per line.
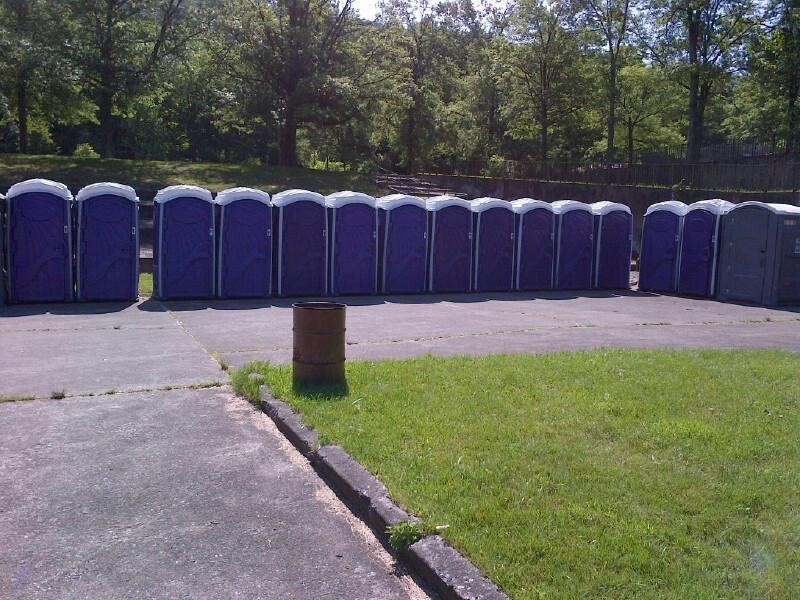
<point>624,474</point>
<point>145,284</point>
<point>149,175</point>
<point>16,398</point>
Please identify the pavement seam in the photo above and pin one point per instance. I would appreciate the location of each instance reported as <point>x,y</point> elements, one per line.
<point>57,395</point>
<point>432,559</point>
<point>212,355</point>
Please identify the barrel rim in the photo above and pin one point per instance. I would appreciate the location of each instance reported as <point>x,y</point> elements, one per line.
<point>319,305</point>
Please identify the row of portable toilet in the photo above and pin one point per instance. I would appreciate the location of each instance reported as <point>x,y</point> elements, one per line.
<point>57,247</point>
<point>743,252</point>
<point>349,243</point>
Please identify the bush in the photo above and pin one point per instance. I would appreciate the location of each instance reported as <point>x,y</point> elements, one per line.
<point>85,151</point>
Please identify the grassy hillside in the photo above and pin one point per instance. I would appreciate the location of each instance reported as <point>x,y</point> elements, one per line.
<point>149,176</point>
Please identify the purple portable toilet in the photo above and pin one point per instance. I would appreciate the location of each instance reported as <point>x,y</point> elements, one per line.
<point>39,242</point>
<point>697,271</point>
<point>107,256</point>
<point>493,224</point>
<point>661,237</point>
<point>183,243</point>
<point>244,263</point>
<point>302,250</point>
<point>613,241</point>
<point>2,250</point>
<point>535,244</point>
<point>450,266</point>
<point>574,245</point>
<point>402,244</point>
<point>353,226</point>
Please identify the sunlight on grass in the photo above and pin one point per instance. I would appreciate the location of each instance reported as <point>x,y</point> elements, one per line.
<point>625,474</point>
<point>145,284</point>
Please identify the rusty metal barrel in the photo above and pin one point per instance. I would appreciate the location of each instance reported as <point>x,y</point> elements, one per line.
<point>319,343</point>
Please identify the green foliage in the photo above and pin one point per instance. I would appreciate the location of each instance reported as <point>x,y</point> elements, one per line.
<point>403,534</point>
<point>85,150</point>
<point>632,474</point>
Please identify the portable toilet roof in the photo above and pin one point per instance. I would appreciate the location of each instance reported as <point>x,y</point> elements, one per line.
<point>778,209</point>
<point>294,195</point>
<point>39,185</point>
<point>605,207</point>
<point>483,204</point>
<point>106,188</point>
<point>565,206</point>
<point>182,191</point>
<point>394,200</point>
<point>523,205</point>
<point>673,206</point>
<point>241,193</point>
<point>338,199</point>
<point>714,206</point>
<point>437,203</point>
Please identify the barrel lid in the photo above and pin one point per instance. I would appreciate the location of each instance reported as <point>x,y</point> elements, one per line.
<point>605,207</point>
<point>483,204</point>
<point>565,206</point>
<point>338,199</point>
<point>241,193</point>
<point>182,191</point>
<point>394,200</point>
<point>673,206</point>
<point>295,195</point>
<point>39,185</point>
<point>106,188</point>
<point>439,202</point>
<point>523,205</point>
<point>714,206</point>
<point>779,209</point>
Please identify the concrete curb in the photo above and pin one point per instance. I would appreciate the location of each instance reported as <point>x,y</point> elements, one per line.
<point>440,565</point>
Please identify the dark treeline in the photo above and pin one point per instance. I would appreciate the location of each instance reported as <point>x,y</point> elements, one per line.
<point>456,85</point>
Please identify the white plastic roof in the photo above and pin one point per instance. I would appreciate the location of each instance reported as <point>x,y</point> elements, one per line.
<point>241,193</point>
<point>778,209</point>
<point>605,207</point>
<point>338,199</point>
<point>715,206</point>
<point>673,206</point>
<point>39,185</point>
<point>106,188</point>
<point>439,202</point>
<point>394,200</point>
<point>182,191</point>
<point>564,206</point>
<point>290,196</point>
<point>524,205</point>
<point>482,204</point>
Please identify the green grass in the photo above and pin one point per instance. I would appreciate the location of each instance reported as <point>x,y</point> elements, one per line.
<point>145,284</point>
<point>610,474</point>
<point>153,175</point>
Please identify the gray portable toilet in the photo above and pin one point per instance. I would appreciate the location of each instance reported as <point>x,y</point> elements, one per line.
<point>2,250</point>
<point>760,254</point>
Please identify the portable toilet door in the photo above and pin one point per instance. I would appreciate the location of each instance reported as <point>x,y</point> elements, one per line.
<point>244,262</point>
<point>450,267</point>
<point>302,257</point>
<point>107,253</point>
<point>353,226</point>
<point>699,247</point>
<point>39,242</point>
<point>493,226</point>
<point>760,254</point>
<point>402,244</point>
<point>659,257</point>
<point>574,245</point>
<point>183,243</point>
<point>535,233</point>
<point>613,241</point>
<point>2,250</point>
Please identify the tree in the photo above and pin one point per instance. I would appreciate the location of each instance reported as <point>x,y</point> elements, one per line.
<point>119,46</point>
<point>609,18</point>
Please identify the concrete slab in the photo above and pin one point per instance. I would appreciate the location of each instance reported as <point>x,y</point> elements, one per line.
<point>186,493</point>
<point>88,349</point>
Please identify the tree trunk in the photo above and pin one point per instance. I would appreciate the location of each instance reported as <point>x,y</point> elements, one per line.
<point>22,112</point>
<point>695,133</point>
<point>544,124</point>
<point>612,106</point>
<point>288,149</point>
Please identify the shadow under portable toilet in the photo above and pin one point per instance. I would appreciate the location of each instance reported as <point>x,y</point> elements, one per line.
<point>39,229</point>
